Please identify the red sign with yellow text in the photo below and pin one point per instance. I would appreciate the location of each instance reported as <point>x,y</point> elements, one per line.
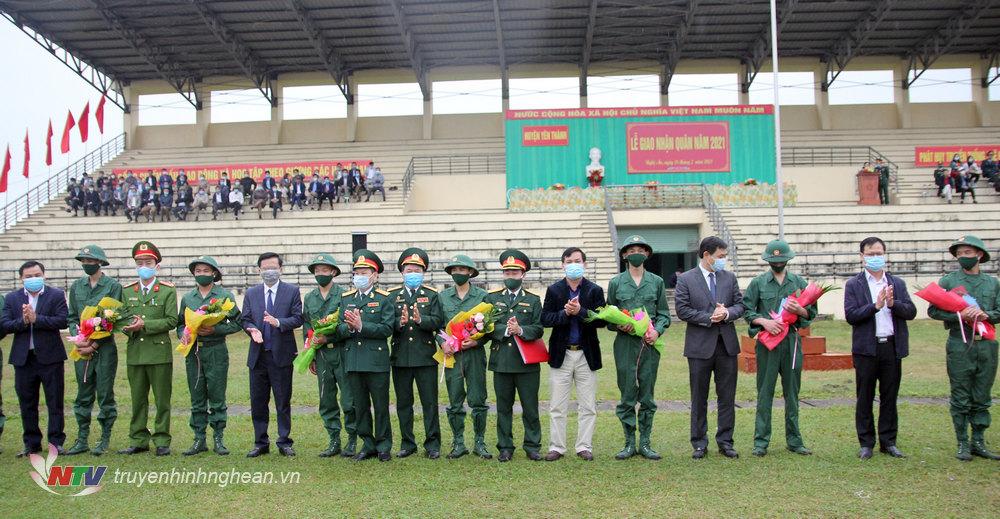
<point>236,171</point>
<point>929,156</point>
<point>682,147</point>
<point>545,135</point>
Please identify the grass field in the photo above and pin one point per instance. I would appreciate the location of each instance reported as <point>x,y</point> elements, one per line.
<point>929,483</point>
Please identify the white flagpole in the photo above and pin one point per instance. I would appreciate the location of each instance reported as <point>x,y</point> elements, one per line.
<point>777,122</point>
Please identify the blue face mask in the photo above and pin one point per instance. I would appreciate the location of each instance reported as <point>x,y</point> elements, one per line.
<point>719,264</point>
<point>573,271</point>
<point>875,263</point>
<point>34,284</point>
<point>145,273</point>
<point>360,281</point>
<point>413,280</point>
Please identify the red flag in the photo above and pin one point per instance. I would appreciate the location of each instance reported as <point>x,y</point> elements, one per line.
<point>70,123</point>
<point>6,168</point>
<point>83,122</point>
<point>27,155</point>
<point>99,114</point>
<point>48,145</point>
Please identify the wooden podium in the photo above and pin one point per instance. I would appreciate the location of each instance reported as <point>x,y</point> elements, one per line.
<point>868,188</point>
<point>814,354</point>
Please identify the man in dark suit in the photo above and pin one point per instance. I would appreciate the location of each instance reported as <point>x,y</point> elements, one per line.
<point>877,307</point>
<point>708,298</point>
<point>271,313</point>
<point>35,314</point>
<point>574,353</point>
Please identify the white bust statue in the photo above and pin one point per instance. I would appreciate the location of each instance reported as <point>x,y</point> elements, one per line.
<point>595,171</point>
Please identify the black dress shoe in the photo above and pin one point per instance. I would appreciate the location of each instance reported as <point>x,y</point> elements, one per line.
<point>286,451</point>
<point>534,456</point>
<point>257,451</point>
<point>363,455</point>
<point>728,451</point>
<point>505,456</point>
<point>28,451</point>
<point>699,453</point>
<point>163,451</point>
<point>433,455</point>
<point>893,451</point>
<point>133,450</point>
<point>384,456</point>
<point>865,453</point>
<point>405,453</point>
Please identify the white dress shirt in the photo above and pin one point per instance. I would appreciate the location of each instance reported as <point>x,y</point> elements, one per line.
<point>33,301</point>
<point>883,317</point>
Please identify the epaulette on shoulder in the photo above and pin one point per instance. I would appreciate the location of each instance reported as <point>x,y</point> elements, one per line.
<point>432,289</point>
<point>532,292</point>
<point>381,292</point>
<point>350,292</point>
<point>167,284</point>
<point>495,290</point>
<point>130,284</point>
<point>396,288</point>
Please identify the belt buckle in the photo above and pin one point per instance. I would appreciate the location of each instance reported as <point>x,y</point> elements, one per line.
<point>573,347</point>
<point>882,340</point>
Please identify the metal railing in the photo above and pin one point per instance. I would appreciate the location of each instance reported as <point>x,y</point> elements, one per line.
<point>26,204</point>
<point>485,164</point>
<point>721,228</point>
<point>612,229</point>
<point>837,155</point>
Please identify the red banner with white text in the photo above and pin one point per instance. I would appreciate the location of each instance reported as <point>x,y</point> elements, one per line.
<point>256,170</point>
<point>929,156</point>
<point>682,147</point>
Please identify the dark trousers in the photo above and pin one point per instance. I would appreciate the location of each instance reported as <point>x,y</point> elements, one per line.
<point>267,378</point>
<point>426,379</point>
<point>27,379</point>
<point>700,371</point>
<point>885,370</point>
<point>370,391</point>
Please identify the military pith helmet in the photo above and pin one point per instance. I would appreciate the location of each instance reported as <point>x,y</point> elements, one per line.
<point>206,260</point>
<point>146,249</point>
<point>511,259</point>
<point>971,241</point>
<point>413,256</point>
<point>367,259</point>
<point>635,239</point>
<point>461,260</point>
<point>93,252</point>
<point>777,251</point>
<point>324,259</point>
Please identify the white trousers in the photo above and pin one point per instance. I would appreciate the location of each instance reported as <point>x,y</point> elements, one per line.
<point>574,371</point>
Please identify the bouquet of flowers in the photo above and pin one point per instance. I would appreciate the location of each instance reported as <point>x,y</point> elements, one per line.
<point>805,297</point>
<point>96,322</point>
<point>956,300</point>
<point>207,315</point>
<point>595,176</point>
<point>324,326</point>
<point>638,318</point>
<point>469,325</point>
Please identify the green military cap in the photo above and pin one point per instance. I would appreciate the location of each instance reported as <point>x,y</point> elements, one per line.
<point>413,256</point>
<point>777,251</point>
<point>461,260</point>
<point>635,239</point>
<point>514,259</point>
<point>93,252</point>
<point>324,259</point>
<point>367,259</point>
<point>146,249</point>
<point>206,260</point>
<point>971,241</point>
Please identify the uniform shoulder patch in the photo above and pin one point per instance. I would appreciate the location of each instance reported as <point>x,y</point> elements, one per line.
<point>130,284</point>
<point>432,289</point>
<point>395,288</point>
<point>350,292</point>
<point>495,290</point>
<point>166,283</point>
<point>532,292</point>
<point>381,292</point>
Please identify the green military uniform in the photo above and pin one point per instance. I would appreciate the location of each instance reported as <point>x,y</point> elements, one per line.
<point>207,364</point>
<point>510,373</point>
<point>149,358</point>
<point>636,362</point>
<point>367,354</point>
<point>412,357</point>
<point>331,366</point>
<point>763,296</point>
<point>95,377</point>
<point>467,378</point>
<point>972,361</point>
<point>883,182</point>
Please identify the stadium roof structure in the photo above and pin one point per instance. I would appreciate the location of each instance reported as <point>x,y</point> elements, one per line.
<point>113,42</point>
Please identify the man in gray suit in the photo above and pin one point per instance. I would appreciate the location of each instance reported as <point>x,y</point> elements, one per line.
<point>708,298</point>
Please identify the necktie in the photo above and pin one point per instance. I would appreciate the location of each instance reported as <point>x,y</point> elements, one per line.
<point>269,308</point>
<point>711,286</point>
<point>512,296</point>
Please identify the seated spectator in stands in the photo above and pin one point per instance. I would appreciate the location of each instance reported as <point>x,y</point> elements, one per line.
<point>356,181</point>
<point>297,194</point>
<point>973,169</point>
<point>286,181</point>
<point>166,180</point>
<point>220,201</point>
<point>267,182</point>
<point>236,201</point>
<point>130,180</point>
<point>940,178</point>
<point>91,201</point>
<point>275,197</point>
<point>107,200</point>
<point>166,199</point>
<point>964,185</point>
<point>247,184</point>
<point>314,189</point>
<point>989,166</point>
<point>369,169</point>
<point>203,183</point>
<point>118,195</point>
<point>339,182</point>
<point>184,200</point>
<point>200,203</point>
<point>101,180</point>
<point>259,200</point>
<point>151,183</point>
<point>86,181</point>
<point>225,182</point>
<point>133,202</point>
<point>375,182</point>
<point>74,197</point>
<point>867,167</point>
<point>182,178</point>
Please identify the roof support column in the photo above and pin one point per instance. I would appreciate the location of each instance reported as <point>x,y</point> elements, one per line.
<point>203,118</point>
<point>981,93</point>
<point>429,112</point>
<point>277,114</point>
<point>901,93</point>
<point>822,97</point>
<point>352,113</point>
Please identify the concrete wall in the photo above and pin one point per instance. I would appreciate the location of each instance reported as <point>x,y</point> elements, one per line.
<point>407,127</point>
<point>436,192</point>
<point>465,126</point>
<point>665,218</point>
<point>944,115</point>
<point>823,183</point>
<point>314,130</point>
<point>169,136</point>
<point>239,134</point>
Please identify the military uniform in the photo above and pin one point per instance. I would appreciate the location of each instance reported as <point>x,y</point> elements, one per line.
<point>95,378</point>
<point>467,378</point>
<point>510,374</point>
<point>207,365</point>
<point>972,362</point>
<point>149,358</point>
<point>637,363</point>
<point>412,357</point>
<point>883,182</point>
<point>763,296</point>
<point>331,365</point>
<point>367,354</point>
